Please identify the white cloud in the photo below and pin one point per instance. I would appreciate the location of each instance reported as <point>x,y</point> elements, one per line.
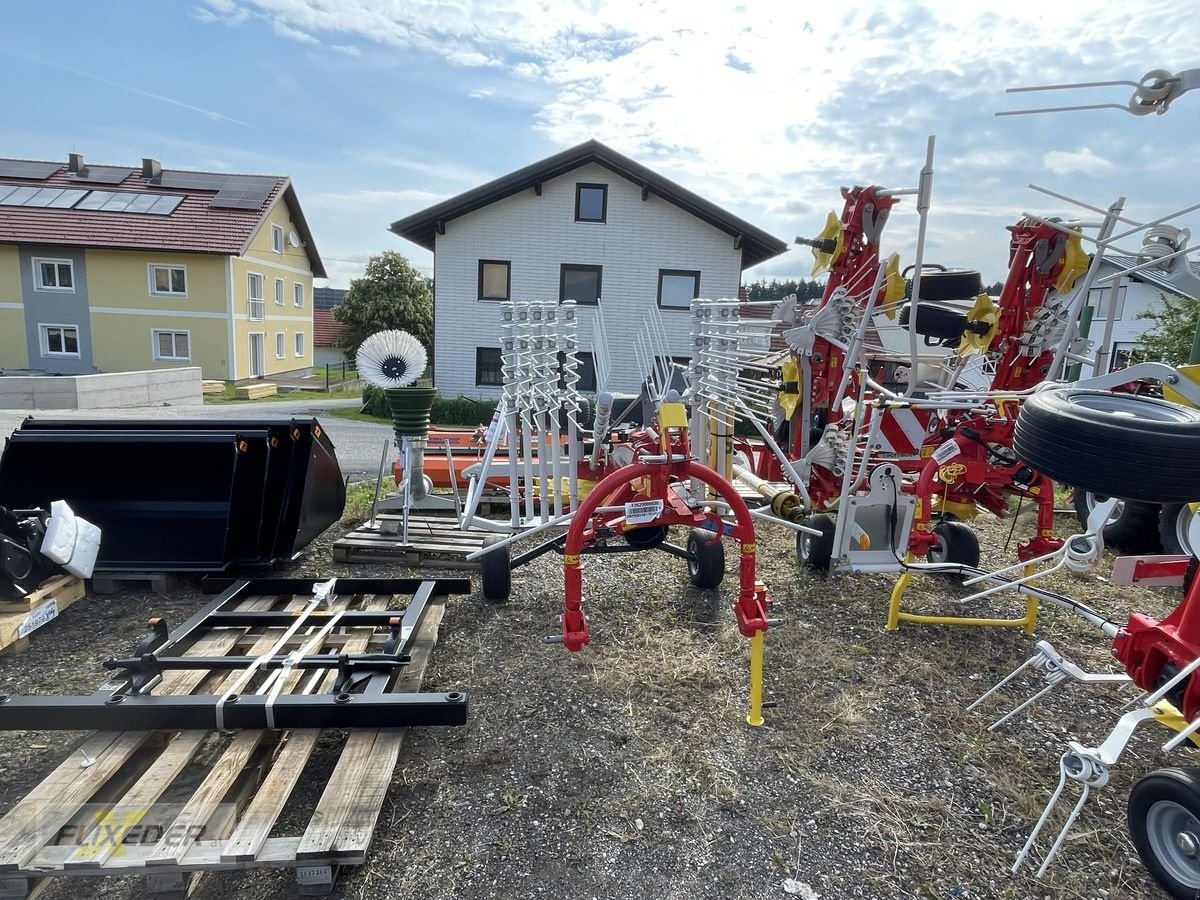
<point>292,34</point>
<point>1084,160</point>
<point>834,95</point>
<point>481,93</point>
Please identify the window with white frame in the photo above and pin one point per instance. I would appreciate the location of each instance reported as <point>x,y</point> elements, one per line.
<point>1098,300</point>
<point>254,292</point>
<point>54,275</point>
<point>172,345</point>
<point>298,293</point>
<point>59,340</point>
<point>279,354</point>
<point>276,238</point>
<point>299,343</point>
<point>169,281</point>
<point>279,292</point>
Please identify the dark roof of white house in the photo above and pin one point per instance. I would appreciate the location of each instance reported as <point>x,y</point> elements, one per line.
<point>423,227</point>
<point>1180,284</point>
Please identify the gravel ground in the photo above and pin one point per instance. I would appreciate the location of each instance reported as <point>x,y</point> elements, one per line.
<point>627,770</point>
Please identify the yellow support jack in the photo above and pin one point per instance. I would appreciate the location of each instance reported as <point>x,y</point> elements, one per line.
<point>754,717</point>
<point>895,615</point>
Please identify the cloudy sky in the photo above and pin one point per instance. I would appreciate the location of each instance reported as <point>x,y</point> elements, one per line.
<point>379,108</point>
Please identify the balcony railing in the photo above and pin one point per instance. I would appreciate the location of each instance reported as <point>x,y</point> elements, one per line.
<point>256,310</point>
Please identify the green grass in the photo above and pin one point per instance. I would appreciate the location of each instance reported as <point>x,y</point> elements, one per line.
<point>228,396</point>
<point>353,413</point>
<point>359,496</point>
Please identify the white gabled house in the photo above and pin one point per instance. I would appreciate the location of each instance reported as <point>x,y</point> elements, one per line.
<point>586,224</point>
<point>1139,291</point>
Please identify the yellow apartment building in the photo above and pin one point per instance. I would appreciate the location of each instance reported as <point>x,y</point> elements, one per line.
<point>112,269</point>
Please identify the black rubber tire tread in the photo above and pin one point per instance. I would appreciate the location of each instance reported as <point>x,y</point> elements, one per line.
<point>1128,456</point>
<point>1135,530</point>
<point>1179,785</point>
<point>936,321</point>
<point>495,571</point>
<point>821,548</point>
<point>953,284</point>
<point>706,562</point>
<point>646,537</point>
<point>1167,528</point>
<point>962,544</point>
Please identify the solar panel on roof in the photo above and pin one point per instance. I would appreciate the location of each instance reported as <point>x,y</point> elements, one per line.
<point>22,168</point>
<point>104,175</point>
<point>141,203</point>
<point>118,202</point>
<point>19,196</point>
<point>6,189</point>
<point>94,200</point>
<point>43,197</point>
<point>195,181</point>
<point>67,199</point>
<point>164,206</point>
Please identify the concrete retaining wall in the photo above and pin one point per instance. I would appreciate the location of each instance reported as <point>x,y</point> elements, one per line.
<point>159,387</point>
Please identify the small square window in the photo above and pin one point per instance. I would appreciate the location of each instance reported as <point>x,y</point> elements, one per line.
<point>299,343</point>
<point>54,275</point>
<point>168,280</point>
<point>298,293</point>
<point>591,202</point>
<point>279,345</point>
<point>587,371</point>
<point>677,288</point>
<point>488,372</point>
<point>60,340</point>
<point>580,283</point>
<point>494,279</point>
<point>276,238</point>
<point>172,345</point>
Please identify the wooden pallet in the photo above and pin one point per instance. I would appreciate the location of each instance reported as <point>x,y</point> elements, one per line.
<point>255,391</point>
<point>112,582</point>
<point>19,620</point>
<point>170,807</point>
<point>432,541</point>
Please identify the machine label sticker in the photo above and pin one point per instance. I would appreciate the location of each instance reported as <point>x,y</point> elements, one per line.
<point>640,511</point>
<point>38,618</point>
<point>946,452</point>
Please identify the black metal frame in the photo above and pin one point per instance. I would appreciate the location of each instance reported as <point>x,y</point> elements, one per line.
<point>358,698</point>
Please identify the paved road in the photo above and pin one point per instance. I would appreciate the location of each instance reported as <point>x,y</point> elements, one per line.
<point>358,444</point>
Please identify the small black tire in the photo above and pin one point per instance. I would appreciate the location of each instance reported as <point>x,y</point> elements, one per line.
<point>936,321</point>
<point>816,551</point>
<point>705,558</point>
<point>952,284</point>
<point>1173,523</point>
<point>646,537</point>
<point>1134,526</point>
<point>1163,807</point>
<point>957,543</point>
<point>495,571</point>
<point>1119,445</point>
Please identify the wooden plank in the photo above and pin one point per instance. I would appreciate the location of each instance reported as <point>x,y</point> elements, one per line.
<point>354,836</point>
<point>66,589</point>
<point>204,855</point>
<point>111,828</point>
<point>334,806</point>
<point>46,809</point>
<point>56,800</point>
<point>248,838</point>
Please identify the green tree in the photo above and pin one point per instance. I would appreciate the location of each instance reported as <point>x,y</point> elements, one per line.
<point>391,294</point>
<point>1170,337</point>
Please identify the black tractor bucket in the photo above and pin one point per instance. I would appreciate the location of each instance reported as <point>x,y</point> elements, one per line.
<point>182,495</point>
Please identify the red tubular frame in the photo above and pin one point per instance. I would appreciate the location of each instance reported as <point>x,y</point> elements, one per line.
<point>618,486</point>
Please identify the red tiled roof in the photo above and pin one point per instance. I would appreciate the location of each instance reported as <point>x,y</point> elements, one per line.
<point>326,331</point>
<point>194,226</point>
